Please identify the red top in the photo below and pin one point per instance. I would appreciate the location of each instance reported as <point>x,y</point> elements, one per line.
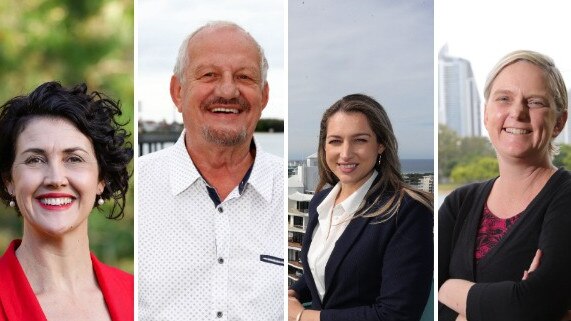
<point>19,303</point>
<point>491,231</point>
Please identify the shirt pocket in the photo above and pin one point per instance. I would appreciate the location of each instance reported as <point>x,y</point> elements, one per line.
<point>264,258</point>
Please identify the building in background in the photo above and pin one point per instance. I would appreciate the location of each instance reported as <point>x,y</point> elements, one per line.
<point>302,181</point>
<point>427,183</point>
<point>458,98</point>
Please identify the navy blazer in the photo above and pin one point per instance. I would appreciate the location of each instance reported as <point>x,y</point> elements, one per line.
<point>377,271</point>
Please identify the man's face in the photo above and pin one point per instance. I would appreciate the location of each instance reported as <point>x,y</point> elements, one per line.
<point>222,96</point>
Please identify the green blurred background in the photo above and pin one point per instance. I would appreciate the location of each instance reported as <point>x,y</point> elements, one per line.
<point>463,160</point>
<point>72,41</point>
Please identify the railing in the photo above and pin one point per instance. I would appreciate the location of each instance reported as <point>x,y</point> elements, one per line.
<point>155,141</point>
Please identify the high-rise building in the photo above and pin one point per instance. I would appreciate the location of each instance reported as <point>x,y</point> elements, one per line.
<point>458,98</point>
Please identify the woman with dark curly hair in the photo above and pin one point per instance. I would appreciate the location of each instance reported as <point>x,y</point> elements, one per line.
<point>63,153</point>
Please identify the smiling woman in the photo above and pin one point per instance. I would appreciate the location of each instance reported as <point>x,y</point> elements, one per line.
<point>367,251</point>
<point>63,154</point>
<point>490,232</point>
<point>54,177</point>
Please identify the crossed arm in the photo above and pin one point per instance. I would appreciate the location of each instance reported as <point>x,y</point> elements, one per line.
<point>541,294</point>
<point>454,292</point>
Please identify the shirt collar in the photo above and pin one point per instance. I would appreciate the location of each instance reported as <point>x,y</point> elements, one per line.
<point>183,173</point>
<point>260,178</point>
<point>351,204</point>
<point>181,166</point>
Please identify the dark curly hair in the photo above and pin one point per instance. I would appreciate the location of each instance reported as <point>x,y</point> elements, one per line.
<point>94,114</point>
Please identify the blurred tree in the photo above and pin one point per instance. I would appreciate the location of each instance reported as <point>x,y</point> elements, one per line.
<point>270,125</point>
<point>454,150</point>
<point>564,157</point>
<point>478,169</point>
<point>448,142</point>
<point>72,41</point>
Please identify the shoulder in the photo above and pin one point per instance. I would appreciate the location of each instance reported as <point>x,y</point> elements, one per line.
<point>6,264</point>
<point>410,211</point>
<point>563,178</point>
<point>111,275</point>
<point>467,192</point>
<point>409,204</point>
<point>269,162</point>
<point>557,190</point>
<point>317,199</point>
<point>319,196</point>
<point>155,158</point>
<point>155,168</point>
<point>470,189</point>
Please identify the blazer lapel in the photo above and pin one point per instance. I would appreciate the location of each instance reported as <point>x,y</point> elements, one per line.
<point>342,246</point>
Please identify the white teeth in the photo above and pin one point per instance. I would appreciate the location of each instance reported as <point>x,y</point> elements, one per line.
<point>56,201</point>
<point>517,131</point>
<point>225,110</point>
<point>348,165</point>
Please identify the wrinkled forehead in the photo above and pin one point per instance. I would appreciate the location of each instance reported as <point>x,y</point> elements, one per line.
<point>222,40</point>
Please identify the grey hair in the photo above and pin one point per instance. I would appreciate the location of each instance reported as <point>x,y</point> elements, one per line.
<point>555,82</point>
<point>182,59</point>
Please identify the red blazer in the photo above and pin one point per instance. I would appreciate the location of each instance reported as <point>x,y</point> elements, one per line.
<point>19,303</point>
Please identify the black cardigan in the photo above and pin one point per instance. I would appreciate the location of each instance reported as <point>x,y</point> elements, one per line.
<point>377,271</point>
<point>499,292</point>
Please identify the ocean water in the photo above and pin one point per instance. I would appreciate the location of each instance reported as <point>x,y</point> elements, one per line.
<point>417,165</point>
<point>272,143</point>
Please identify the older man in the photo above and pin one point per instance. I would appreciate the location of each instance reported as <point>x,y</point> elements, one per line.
<point>210,212</point>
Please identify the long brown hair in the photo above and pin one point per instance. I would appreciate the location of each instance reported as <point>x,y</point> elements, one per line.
<point>390,178</point>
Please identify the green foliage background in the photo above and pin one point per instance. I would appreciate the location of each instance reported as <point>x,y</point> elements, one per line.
<point>463,160</point>
<point>72,41</point>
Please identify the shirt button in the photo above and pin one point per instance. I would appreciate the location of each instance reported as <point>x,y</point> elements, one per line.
<point>220,260</point>
<point>220,209</point>
<point>219,314</point>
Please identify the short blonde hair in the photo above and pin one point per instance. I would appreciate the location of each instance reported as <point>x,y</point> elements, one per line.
<point>555,82</point>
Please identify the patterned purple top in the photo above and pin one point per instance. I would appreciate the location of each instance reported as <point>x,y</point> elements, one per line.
<point>491,231</point>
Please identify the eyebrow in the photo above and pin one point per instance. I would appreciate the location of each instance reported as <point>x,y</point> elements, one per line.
<point>534,95</point>
<point>502,91</point>
<point>70,150</point>
<point>356,135</point>
<point>201,67</point>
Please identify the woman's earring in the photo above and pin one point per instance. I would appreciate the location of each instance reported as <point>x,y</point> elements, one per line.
<point>12,201</point>
<point>100,201</point>
<point>379,161</point>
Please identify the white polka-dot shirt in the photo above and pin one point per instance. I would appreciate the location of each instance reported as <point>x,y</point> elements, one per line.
<point>198,261</point>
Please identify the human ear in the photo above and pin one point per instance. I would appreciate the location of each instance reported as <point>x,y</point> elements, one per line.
<point>559,124</point>
<point>265,95</point>
<point>100,187</point>
<point>175,91</point>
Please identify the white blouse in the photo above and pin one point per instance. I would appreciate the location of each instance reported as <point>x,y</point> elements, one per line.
<point>332,221</point>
